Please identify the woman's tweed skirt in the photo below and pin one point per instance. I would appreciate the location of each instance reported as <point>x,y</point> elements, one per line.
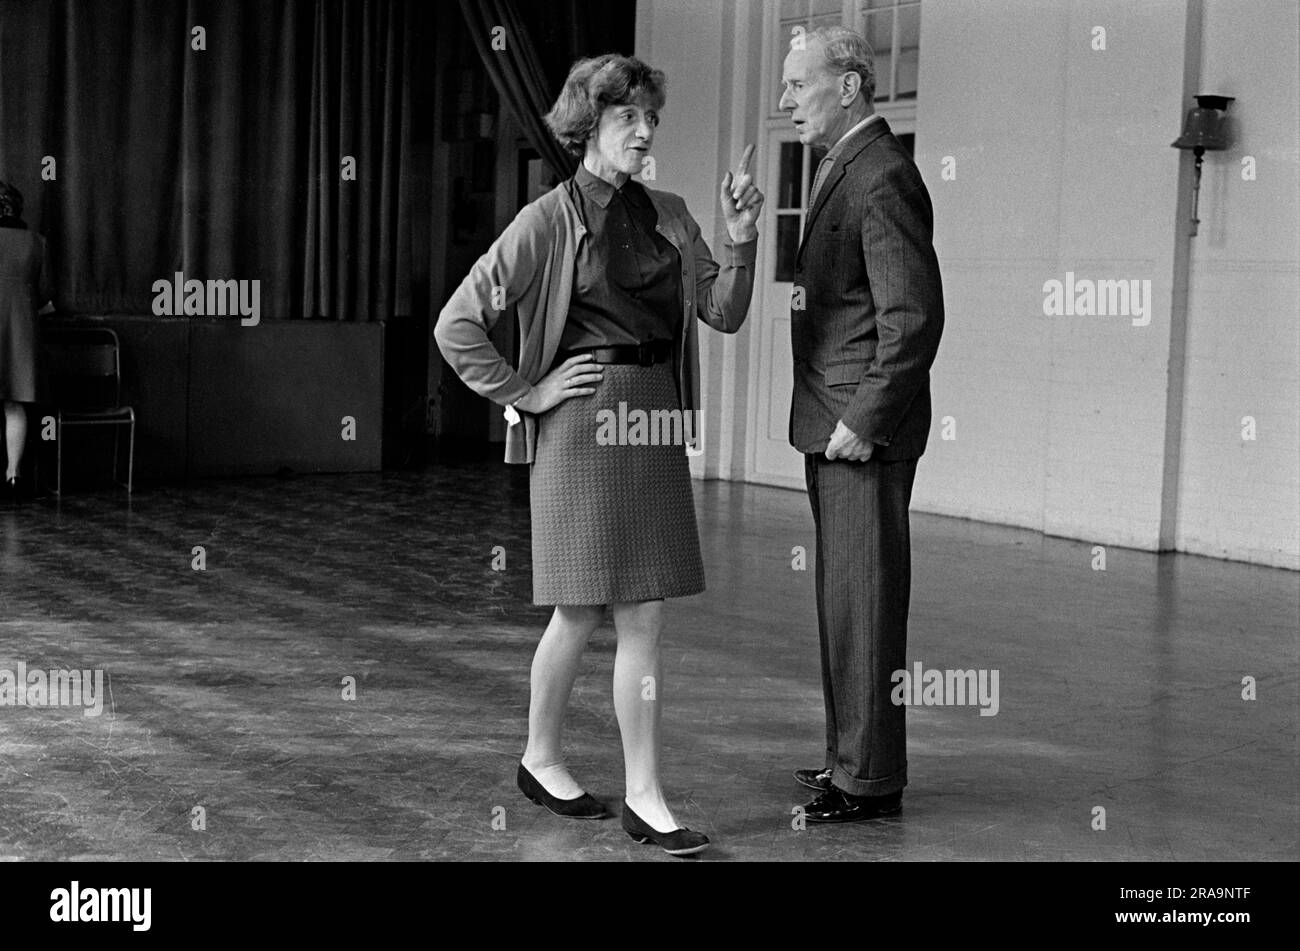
<point>614,522</point>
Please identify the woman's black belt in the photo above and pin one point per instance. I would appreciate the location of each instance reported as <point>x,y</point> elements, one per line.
<point>643,354</point>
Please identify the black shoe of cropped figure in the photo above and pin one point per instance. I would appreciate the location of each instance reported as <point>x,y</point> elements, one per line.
<point>585,806</point>
<point>835,805</point>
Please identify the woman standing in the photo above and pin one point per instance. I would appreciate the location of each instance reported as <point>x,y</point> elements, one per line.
<point>23,288</point>
<point>608,278</point>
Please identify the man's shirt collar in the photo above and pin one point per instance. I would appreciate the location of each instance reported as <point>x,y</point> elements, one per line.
<point>834,150</point>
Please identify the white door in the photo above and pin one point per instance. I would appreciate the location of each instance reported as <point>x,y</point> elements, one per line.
<point>773,461</point>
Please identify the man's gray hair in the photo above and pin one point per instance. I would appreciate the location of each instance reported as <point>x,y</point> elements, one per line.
<point>848,51</point>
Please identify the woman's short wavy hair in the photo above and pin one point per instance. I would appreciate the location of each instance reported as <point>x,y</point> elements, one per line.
<point>596,84</point>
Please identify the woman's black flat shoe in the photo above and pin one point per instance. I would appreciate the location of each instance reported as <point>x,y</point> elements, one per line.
<point>585,806</point>
<point>677,842</point>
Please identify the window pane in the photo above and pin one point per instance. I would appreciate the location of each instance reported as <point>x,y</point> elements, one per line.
<point>909,42</point>
<point>884,76</point>
<point>909,26</point>
<point>791,173</point>
<point>877,4</point>
<point>794,14</point>
<point>824,7</point>
<point>787,246</point>
<point>878,28</point>
<point>782,47</point>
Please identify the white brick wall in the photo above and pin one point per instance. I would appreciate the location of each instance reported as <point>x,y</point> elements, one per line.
<point>1063,164</point>
<point>1239,499</point>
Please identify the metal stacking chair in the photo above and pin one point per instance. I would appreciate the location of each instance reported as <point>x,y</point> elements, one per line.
<point>84,368</point>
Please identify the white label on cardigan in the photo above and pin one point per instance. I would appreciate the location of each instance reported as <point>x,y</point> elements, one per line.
<point>512,415</point>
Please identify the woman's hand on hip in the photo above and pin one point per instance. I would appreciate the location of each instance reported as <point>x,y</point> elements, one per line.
<point>741,201</point>
<point>571,378</point>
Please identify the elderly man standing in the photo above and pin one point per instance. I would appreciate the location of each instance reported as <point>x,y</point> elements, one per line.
<point>863,345</point>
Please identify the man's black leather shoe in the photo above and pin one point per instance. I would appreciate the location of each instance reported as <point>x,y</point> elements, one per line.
<point>814,778</point>
<point>836,805</point>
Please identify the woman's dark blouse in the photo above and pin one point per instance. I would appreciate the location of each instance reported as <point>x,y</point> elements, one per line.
<point>627,277</point>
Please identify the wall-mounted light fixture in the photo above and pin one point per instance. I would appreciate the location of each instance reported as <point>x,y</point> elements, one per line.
<point>1204,130</point>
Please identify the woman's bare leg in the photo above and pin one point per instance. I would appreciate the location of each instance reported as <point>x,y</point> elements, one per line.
<point>15,437</point>
<point>638,689</point>
<point>555,668</point>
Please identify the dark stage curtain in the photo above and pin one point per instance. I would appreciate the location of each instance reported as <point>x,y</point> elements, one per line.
<point>516,71</point>
<point>561,31</point>
<point>224,162</point>
<point>542,42</point>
